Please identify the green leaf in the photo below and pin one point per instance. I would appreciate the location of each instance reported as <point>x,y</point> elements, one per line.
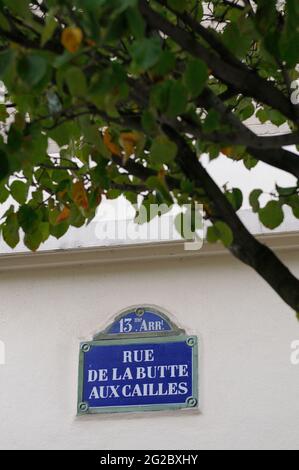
<point>149,123</point>
<point>10,231</point>
<point>28,218</point>
<point>196,76</point>
<point>32,69</point>
<point>268,114</point>
<point>293,202</point>
<point>285,192</point>
<point>159,185</point>
<point>250,162</point>
<point>160,95</point>
<point>19,191</point>
<point>117,27</point>
<point>246,112</point>
<point>121,5</point>
<point>237,42</point>
<point>64,133</point>
<point>187,186</point>
<point>76,218</point>
<point>4,165</point>
<point>136,22</point>
<point>276,117</point>
<point>225,233</point>
<point>212,121</point>
<point>254,199</point>
<point>289,48</point>
<point>35,145</point>
<point>272,215</point>
<point>288,41</point>
<point>33,240</point>
<point>177,5</point>
<point>235,197</point>
<point>163,150</point>
<point>49,29</point>
<point>113,194</point>
<point>165,65</point>
<point>146,53</point>
<point>220,231</point>
<point>3,113</point>
<point>178,99</point>
<point>212,235</point>
<point>6,64</point>
<point>59,230</point>
<point>18,7</point>
<point>44,228</point>
<point>263,115</point>
<point>76,81</point>
<point>4,23</point>
<point>4,193</point>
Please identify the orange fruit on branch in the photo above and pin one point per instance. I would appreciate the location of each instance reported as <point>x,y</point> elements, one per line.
<point>71,39</point>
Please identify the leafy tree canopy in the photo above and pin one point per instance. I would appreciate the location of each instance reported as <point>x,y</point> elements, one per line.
<point>134,92</point>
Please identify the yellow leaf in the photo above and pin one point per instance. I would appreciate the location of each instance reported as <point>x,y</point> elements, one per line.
<point>208,210</point>
<point>71,39</point>
<point>64,215</point>
<point>129,141</point>
<point>161,175</point>
<point>111,146</point>
<point>61,194</point>
<point>79,195</point>
<point>91,42</point>
<point>228,151</point>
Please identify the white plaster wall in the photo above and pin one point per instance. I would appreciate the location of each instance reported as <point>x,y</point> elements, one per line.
<point>249,389</point>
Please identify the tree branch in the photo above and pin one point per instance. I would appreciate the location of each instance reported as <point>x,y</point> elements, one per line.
<point>244,137</point>
<point>246,82</point>
<point>260,147</point>
<point>59,167</point>
<point>17,37</point>
<point>245,247</point>
<point>143,173</point>
<point>233,5</point>
<point>208,35</point>
<point>279,158</point>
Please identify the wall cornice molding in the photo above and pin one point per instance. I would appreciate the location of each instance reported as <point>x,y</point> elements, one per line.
<point>131,253</point>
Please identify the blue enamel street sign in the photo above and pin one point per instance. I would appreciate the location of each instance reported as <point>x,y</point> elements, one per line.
<point>138,374</point>
<point>141,362</point>
<point>149,321</point>
<point>141,321</point>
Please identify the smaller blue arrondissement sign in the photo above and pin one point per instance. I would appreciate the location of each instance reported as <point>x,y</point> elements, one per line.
<point>142,321</point>
<point>132,323</point>
<point>132,370</point>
